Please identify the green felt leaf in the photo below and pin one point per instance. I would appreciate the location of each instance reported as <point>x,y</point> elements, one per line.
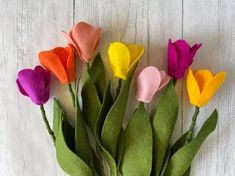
<point>187,173</point>
<point>120,149</point>
<point>97,74</point>
<point>68,161</point>
<point>166,160</point>
<point>179,143</point>
<point>91,102</point>
<point>163,123</point>
<point>96,164</point>
<point>69,133</point>
<point>137,154</point>
<point>68,130</point>
<point>82,144</point>
<point>113,122</point>
<point>181,160</point>
<point>107,103</point>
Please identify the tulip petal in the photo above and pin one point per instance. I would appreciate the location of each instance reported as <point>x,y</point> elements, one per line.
<point>182,48</point>
<point>193,88</point>
<point>211,88</point>
<point>172,59</point>
<point>21,89</point>
<point>184,61</point>
<point>45,73</point>
<point>148,83</point>
<point>119,57</point>
<point>62,55</point>
<point>136,51</point>
<point>70,65</point>
<point>164,79</point>
<point>33,83</point>
<point>194,49</point>
<point>86,37</point>
<point>70,41</point>
<point>66,56</point>
<point>203,78</point>
<point>52,62</point>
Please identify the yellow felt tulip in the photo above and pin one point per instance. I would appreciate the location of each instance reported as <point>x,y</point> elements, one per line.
<point>202,85</point>
<point>123,57</point>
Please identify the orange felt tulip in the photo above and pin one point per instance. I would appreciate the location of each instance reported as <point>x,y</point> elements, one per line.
<point>60,61</point>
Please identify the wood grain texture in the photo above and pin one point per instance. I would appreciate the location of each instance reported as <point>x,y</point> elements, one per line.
<point>28,26</point>
<point>213,24</point>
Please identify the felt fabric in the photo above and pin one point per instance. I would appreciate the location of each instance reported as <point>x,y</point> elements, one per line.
<point>180,57</point>
<point>106,105</point>
<point>123,57</point>
<point>113,122</point>
<point>67,159</point>
<point>34,84</point>
<point>97,74</point>
<point>91,101</point>
<point>163,122</point>
<point>60,61</point>
<point>84,38</point>
<point>149,81</point>
<point>202,85</point>
<point>180,162</point>
<point>137,154</point>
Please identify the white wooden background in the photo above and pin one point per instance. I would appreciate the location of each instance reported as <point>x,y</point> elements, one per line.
<point>28,26</point>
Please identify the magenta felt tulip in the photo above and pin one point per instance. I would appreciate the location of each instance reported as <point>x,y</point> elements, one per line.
<point>180,57</point>
<point>85,39</point>
<point>35,84</point>
<point>149,81</point>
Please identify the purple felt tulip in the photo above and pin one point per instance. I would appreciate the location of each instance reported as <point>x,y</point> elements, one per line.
<point>180,57</point>
<point>35,84</point>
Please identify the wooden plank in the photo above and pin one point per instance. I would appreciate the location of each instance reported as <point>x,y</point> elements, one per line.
<point>27,27</point>
<point>213,24</point>
<point>164,22</point>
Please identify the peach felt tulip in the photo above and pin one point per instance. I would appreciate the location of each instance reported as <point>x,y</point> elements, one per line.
<point>85,39</point>
<point>149,81</point>
<point>60,61</point>
<point>123,57</point>
<point>202,85</point>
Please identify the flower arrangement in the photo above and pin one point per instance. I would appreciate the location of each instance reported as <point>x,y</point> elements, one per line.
<point>144,146</point>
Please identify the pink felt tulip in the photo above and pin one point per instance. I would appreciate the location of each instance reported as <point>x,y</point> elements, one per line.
<point>85,39</point>
<point>180,57</point>
<point>149,81</point>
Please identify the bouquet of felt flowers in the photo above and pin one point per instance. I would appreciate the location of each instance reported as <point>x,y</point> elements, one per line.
<point>97,143</point>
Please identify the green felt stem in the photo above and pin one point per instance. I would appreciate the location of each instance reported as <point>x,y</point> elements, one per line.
<point>118,88</point>
<point>192,126</point>
<point>50,131</point>
<point>71,93</point>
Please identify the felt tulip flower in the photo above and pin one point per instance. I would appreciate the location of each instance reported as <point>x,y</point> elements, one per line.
<point>180,57</point>
<point>60,61</point>
<point>85,39</point>
<point>149,81</point>
<point>202,85</point>
<point>123,57</point>
<point>35,84</point>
